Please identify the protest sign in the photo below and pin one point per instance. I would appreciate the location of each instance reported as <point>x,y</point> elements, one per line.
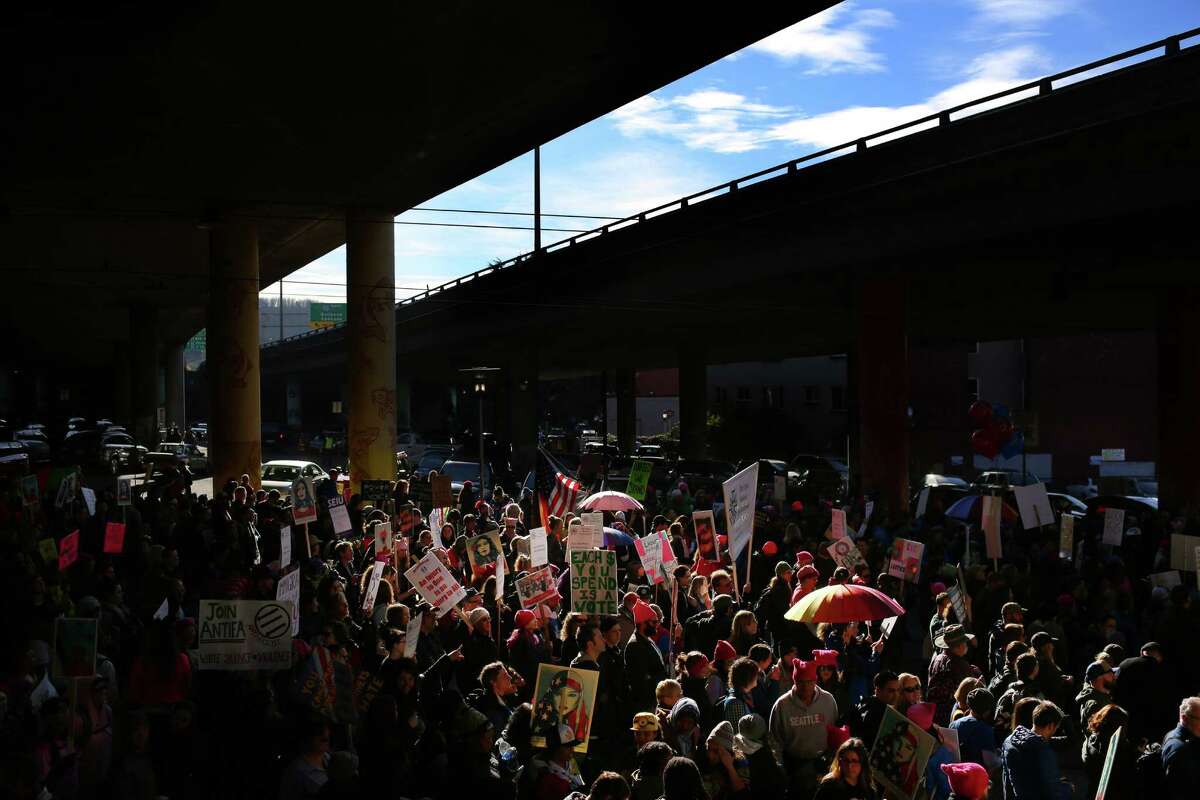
<point>564,696</point>
<point>922,502</point>
<point>887,625</point>
<point>376,491</point>
<point>845,554</point>
<point>114,538</point>
<point>658,559</point>
<point>958,602</point>
<point>67,488</point>
<point>950,740</point>
<point>1166,579</point>
<point>164,609</point>
<point>124,491</point>
<point>740,493</point>
<point>639,477</point>
<point>1034,505</point>
<point>384,539</point>
<point>412,635</point>
<point>539,552</point>
<point>990,519</point>
<point>593,531</point>
<point>1066,536</point>
<point>594,581</point>
<point>1114,526</point>
<point>1110,760</point>
<point>442,497</point>
<point>285,547</point>
<point>537,587</point>
<point>245,634</point>
<point>483,551</point>
<point>75,647</point>
<point>339,516</point>
<point>900,755</point>
<point>1183,552</point>
<point>906,559</point>
<point>304,508</point>
<point>287,589</point>
<point>837,523</point>
<point>368,604</point>
<point>68,550</point>
<point>708,547</point>
<point>435,583</point>
<point>48,549</point>
<point>30,493</point>
<point>89,500</point>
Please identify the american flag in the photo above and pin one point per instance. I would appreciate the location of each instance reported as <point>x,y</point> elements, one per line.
<point>556,492</point>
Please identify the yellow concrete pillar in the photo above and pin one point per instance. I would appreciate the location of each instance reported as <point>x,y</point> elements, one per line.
<point>371,324</point>
<point>235,415</point>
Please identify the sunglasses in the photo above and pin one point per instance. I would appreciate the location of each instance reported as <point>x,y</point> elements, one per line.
<point>911,689</point>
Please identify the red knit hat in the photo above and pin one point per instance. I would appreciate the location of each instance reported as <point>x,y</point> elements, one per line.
<point>834,737</point>
<point>968,780</point>
<point>700,667</point>
<point>523,618</point>
<point>825,658</point>
<point>803,557</point>
<point>804,671</point>
<point>806,571</point>
<point>922,715</point>
<point>642,612</point>
<point>724,651</point>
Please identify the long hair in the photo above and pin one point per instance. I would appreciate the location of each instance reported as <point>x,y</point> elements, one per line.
<point>682,781</point>
<point>1107,720</point>
<point>740,638</point>
<point>835,768</point>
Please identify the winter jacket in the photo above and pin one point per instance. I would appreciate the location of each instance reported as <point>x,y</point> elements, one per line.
<point>1030,768</point>
<point>1124,780</point>
<point>644,668</point>
<point>840,790</point>
<point>1090,700</point>
<point>1008,702</point>
<point>946,672</point>
<point>865,718</point>
<point>1181,762</point>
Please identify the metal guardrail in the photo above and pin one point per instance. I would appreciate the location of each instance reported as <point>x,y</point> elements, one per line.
<point>1170,46</point>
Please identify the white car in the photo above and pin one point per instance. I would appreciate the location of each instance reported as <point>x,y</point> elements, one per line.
<point>189,454</point>
<point>279,475</point>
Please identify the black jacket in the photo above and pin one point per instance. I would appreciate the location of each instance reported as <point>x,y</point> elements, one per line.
<point>644,667</point>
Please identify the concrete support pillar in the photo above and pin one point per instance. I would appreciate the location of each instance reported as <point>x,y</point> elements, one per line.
<point>143,372</point>
<point>523,416</point>
<point>693,404</point>
<point>626,410</point>
<point>235,411</point>
<point>371,320</point>
<point>882,370</point>
<point>176,389</point>
<point>1178,395</point>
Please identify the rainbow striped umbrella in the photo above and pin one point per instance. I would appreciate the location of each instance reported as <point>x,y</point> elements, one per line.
<point>847,602</point>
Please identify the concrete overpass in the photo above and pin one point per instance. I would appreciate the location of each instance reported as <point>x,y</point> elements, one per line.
<point>1065,205</point>
<point>157,166</point>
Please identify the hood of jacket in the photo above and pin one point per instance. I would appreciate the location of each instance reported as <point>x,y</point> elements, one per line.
<point>684,706</point>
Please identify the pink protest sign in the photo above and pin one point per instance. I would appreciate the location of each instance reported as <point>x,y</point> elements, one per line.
<point>114,537</point>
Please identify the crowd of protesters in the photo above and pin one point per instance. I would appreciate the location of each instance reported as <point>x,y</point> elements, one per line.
<point>714,695</point>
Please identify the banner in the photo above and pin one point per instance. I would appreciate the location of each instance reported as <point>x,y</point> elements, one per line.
<point>1114,526</point>
<point>1066,536</point>
<point>990,519</point>
<point>1034,505</point>
<point>124,491</point>
<point>539,552</point>
<point>639,478</point>
<point>75,647</point>
<point>288,589</point>
<point>900,755</point>
<point>537,587</point>
<point>442,497</point>
<point>740,492</point>
<point>114,538</point>
<point>245,635</point>
<point>845,554</point>
<point>68,550</point>
<point>304,509</point>
<point>906,560</point>
<point>340,516</point>
<point>708,546</point>
<point>594,581</point>
<point>483,551</point>
<point>435,583</point>
<point>564,696</point>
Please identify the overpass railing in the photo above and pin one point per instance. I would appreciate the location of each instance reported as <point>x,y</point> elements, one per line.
<point>1040,87</point>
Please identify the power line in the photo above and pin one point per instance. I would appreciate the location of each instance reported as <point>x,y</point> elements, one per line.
<point>513,213</point>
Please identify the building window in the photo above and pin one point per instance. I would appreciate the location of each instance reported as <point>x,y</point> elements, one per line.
<point>722,395</point>
<point>837,398</point>
<point>743,394</point>
<point>972,389</point>
<point>772,397</point>
<point>812,395</point>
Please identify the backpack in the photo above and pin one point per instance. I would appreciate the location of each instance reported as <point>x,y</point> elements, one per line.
<point>1151,771</point>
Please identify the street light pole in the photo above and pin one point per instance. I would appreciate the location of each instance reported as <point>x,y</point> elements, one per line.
<point>480,389</point>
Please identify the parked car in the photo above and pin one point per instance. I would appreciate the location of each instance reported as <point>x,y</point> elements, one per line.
<point>279,475</point>
<point>433,458</point>
<point>644,451</point>
<point>820,475</point>
<point>35,439</point>
<point>14,459</point>
<point>946,480</point>
<point>462,471</point>
<point>189,454</point>
<point>702,474</point>
<point>1066,504</point>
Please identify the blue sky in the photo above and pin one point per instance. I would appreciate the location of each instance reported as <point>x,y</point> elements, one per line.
<point>856,68</point>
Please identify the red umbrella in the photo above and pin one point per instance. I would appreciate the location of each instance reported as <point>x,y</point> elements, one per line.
<point>847,602</point>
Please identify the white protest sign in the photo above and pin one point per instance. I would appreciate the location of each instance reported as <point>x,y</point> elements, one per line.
<point>435,583</point>
<point>950,740</point>
<point>412,635</point>
<point>66,489</point>
<point>837,523</point>
<point>741,493</point>
<point>368,604</point>
<point>89,498</point>
<point>285,547</point>
<point>593,532</point>
<point>651,555</point>
<point>845,554</point>
<point>288,588</point>
<point>1066,536</point>
<point>339,515</point>
<point>887,625</point>
<point>539,551</point>
<point>536,587</point>
<point>906,559</point>
<point>922,501</point>
<point>1114,526</point>
<point>1034,505</point>
<point>1166,579</point>
<point>990,517</point>
<point>163,610</point>
<point>245,635</point>
<point>383,539</point>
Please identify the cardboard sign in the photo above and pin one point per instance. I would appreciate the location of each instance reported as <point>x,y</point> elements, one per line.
<point>1114,526</point>
<point>245,635</point>
<point>287,589</point>
<point>1066,536</point>
<point>922,502</point>
<point>75,647</point>
<point>368,604</point>
<point>435,584</point>
<point>1183,552</point>
<point>442,497</point>
<point>564,696</point>
<point>990,518</point>
<point>845,554</point>
<point>124,491</point>
<point>68,550</point>
<point>906,559</point>
<point>639,478</point>
<point>340,516</point>
<point>537,587</point>
<point>539,550</point>
<point>1034,505</point>
<point>89,500</point>
<point>708,547</point>
<point>31,496</point>
<point>285,547</point>
<point>376,491</point>
<point>48,550</point>
<point>837,523</point>
<point>114,538</point>
<point>594,581</point>
<point>483,551</point>
<point>412,635</point>
<point>304,507</point>
<point>900,754</point>
<point>740,492</point>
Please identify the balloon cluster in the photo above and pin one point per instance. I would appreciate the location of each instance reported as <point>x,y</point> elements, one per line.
<point>995,434</point>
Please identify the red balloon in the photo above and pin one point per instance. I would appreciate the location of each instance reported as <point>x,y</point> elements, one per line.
<point>980,412</point>
<point>984,443</point>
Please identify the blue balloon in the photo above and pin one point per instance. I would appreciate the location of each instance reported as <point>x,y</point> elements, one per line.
<point>1014,446</point>
<point>999,411</point>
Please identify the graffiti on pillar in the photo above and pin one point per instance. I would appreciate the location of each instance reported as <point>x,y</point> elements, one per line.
<point>385,403</point>
<point>238,365</point>
<point>363,364</point>
<point>232,460</point>
<point>379,307</point>
<point>361,440</point>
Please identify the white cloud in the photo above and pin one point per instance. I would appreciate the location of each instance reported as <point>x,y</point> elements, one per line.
<point>1024,12</point>
<point>828,46</point>
<point>708,119</point>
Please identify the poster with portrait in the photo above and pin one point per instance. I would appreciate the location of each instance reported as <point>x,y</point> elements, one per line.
<point>905,562</point>
<point>564,696</point>
<point>899,755</point>
<point>30,493</point>
<point>707,545</point>
<point>482,552</point>
<point>304,507</point>
<point>124,491</point>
